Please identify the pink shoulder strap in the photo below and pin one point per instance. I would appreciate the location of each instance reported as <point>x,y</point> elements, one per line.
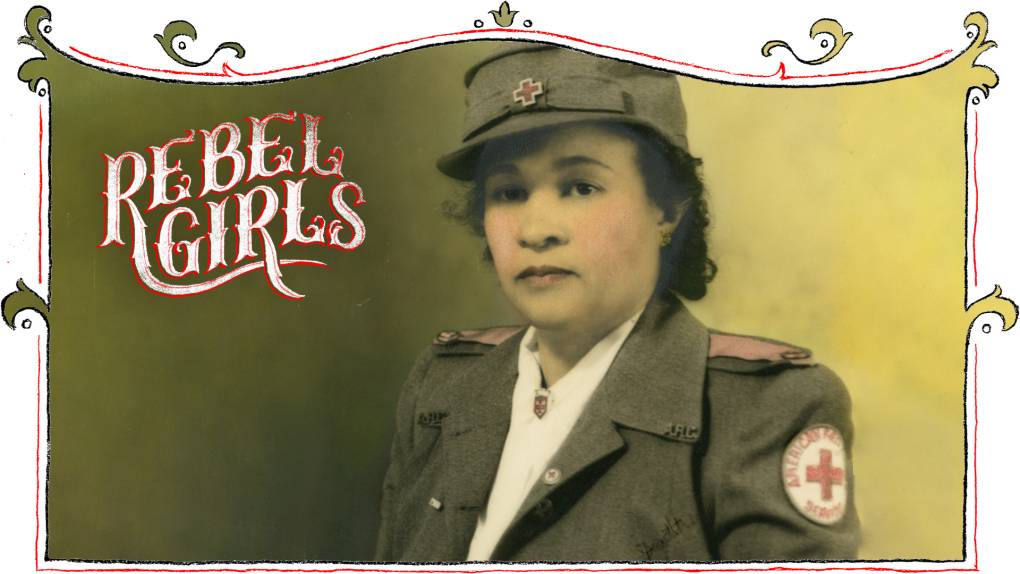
<point>755,349</point>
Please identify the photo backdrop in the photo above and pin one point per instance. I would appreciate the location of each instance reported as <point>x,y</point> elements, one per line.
<point>240,425</point>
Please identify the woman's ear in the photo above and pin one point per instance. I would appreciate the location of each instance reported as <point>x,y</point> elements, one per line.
<point>678,215</point>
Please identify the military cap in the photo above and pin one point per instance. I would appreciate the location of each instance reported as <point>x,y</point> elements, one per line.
<point>525,85</point>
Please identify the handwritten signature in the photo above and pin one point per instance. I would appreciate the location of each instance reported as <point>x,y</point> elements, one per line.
<point>671,527</point>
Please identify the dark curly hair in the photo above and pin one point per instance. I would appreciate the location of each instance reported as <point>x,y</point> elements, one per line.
<point>672,180</point>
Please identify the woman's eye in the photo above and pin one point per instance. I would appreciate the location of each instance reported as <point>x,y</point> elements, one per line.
<point>583,189</point>
<point>510,194</point>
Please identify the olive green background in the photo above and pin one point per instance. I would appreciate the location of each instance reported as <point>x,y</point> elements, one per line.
<point>238,425</point>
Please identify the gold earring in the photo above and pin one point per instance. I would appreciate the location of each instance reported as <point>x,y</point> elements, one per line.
<point>665,236</point>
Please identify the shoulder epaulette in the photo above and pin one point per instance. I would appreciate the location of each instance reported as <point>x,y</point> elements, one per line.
<point>743,353</point>
<point>473,340</point>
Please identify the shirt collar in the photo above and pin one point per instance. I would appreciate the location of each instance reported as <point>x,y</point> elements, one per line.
<point>593,364</point>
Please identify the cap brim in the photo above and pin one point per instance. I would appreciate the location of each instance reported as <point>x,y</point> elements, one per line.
<point>461,162</point>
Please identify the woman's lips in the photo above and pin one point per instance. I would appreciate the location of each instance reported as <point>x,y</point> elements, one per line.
<point>544,275</point>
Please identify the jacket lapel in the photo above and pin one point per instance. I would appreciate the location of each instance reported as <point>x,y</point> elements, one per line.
<point>657,382</point>
<point>479,400</point>
<point>655,385</point>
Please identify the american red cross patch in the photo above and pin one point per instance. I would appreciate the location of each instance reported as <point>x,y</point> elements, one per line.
<point>815,475</point>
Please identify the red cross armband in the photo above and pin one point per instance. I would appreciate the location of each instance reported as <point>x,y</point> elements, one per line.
<point>814,474</point>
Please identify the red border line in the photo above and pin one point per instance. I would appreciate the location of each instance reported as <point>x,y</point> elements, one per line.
<point>227,71</point>
<point>975,450</point>
<point>144,69</point>
<point>520,571</point>
<point>780,72</point>
<point>973,234</point>
<point>227,67</point>
<point>892,69</point>
<point>38,436</point>
<point>40,189</point>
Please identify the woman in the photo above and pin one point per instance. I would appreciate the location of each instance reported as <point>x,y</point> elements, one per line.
<point>614,427</point>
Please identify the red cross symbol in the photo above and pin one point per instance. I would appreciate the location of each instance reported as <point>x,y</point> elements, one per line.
<point>541,405</point>
<point>526,92</point>
<point>825,474</point>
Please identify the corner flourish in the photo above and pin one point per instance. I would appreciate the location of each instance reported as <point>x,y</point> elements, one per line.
<point>984,77</point>
<point>33,69</point>
<point>826,26</point>
<point>994,302</point>
<point>20,300</point>
<point>178,28</point>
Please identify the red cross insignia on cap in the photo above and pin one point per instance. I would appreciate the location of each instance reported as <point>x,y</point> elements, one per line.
<point>526,92</point>
<point>814,474</point>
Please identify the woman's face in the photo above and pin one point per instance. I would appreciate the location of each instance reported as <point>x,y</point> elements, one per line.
<point>573,234</point>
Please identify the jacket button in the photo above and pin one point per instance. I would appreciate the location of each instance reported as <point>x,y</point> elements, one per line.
<point>552,476</point>
<point>447,337</point>
<point>543,508</point>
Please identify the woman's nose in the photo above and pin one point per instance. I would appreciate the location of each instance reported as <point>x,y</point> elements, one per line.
<point>542,223</point>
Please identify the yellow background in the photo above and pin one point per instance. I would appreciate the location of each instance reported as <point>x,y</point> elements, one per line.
<point>838,224</point>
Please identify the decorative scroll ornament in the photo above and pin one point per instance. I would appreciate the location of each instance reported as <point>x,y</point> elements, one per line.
<point>994,302</point>
<point>21,300</point>
<point>825,26</point>
<point>984,77</point>
<point>32,70</point>
<point>178,28</point>
<point>504,17</point>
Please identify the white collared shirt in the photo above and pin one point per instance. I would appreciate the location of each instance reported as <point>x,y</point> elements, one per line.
<point>531,441</point>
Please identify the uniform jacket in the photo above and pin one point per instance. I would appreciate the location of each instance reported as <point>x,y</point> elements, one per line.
<point>677,456</point>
